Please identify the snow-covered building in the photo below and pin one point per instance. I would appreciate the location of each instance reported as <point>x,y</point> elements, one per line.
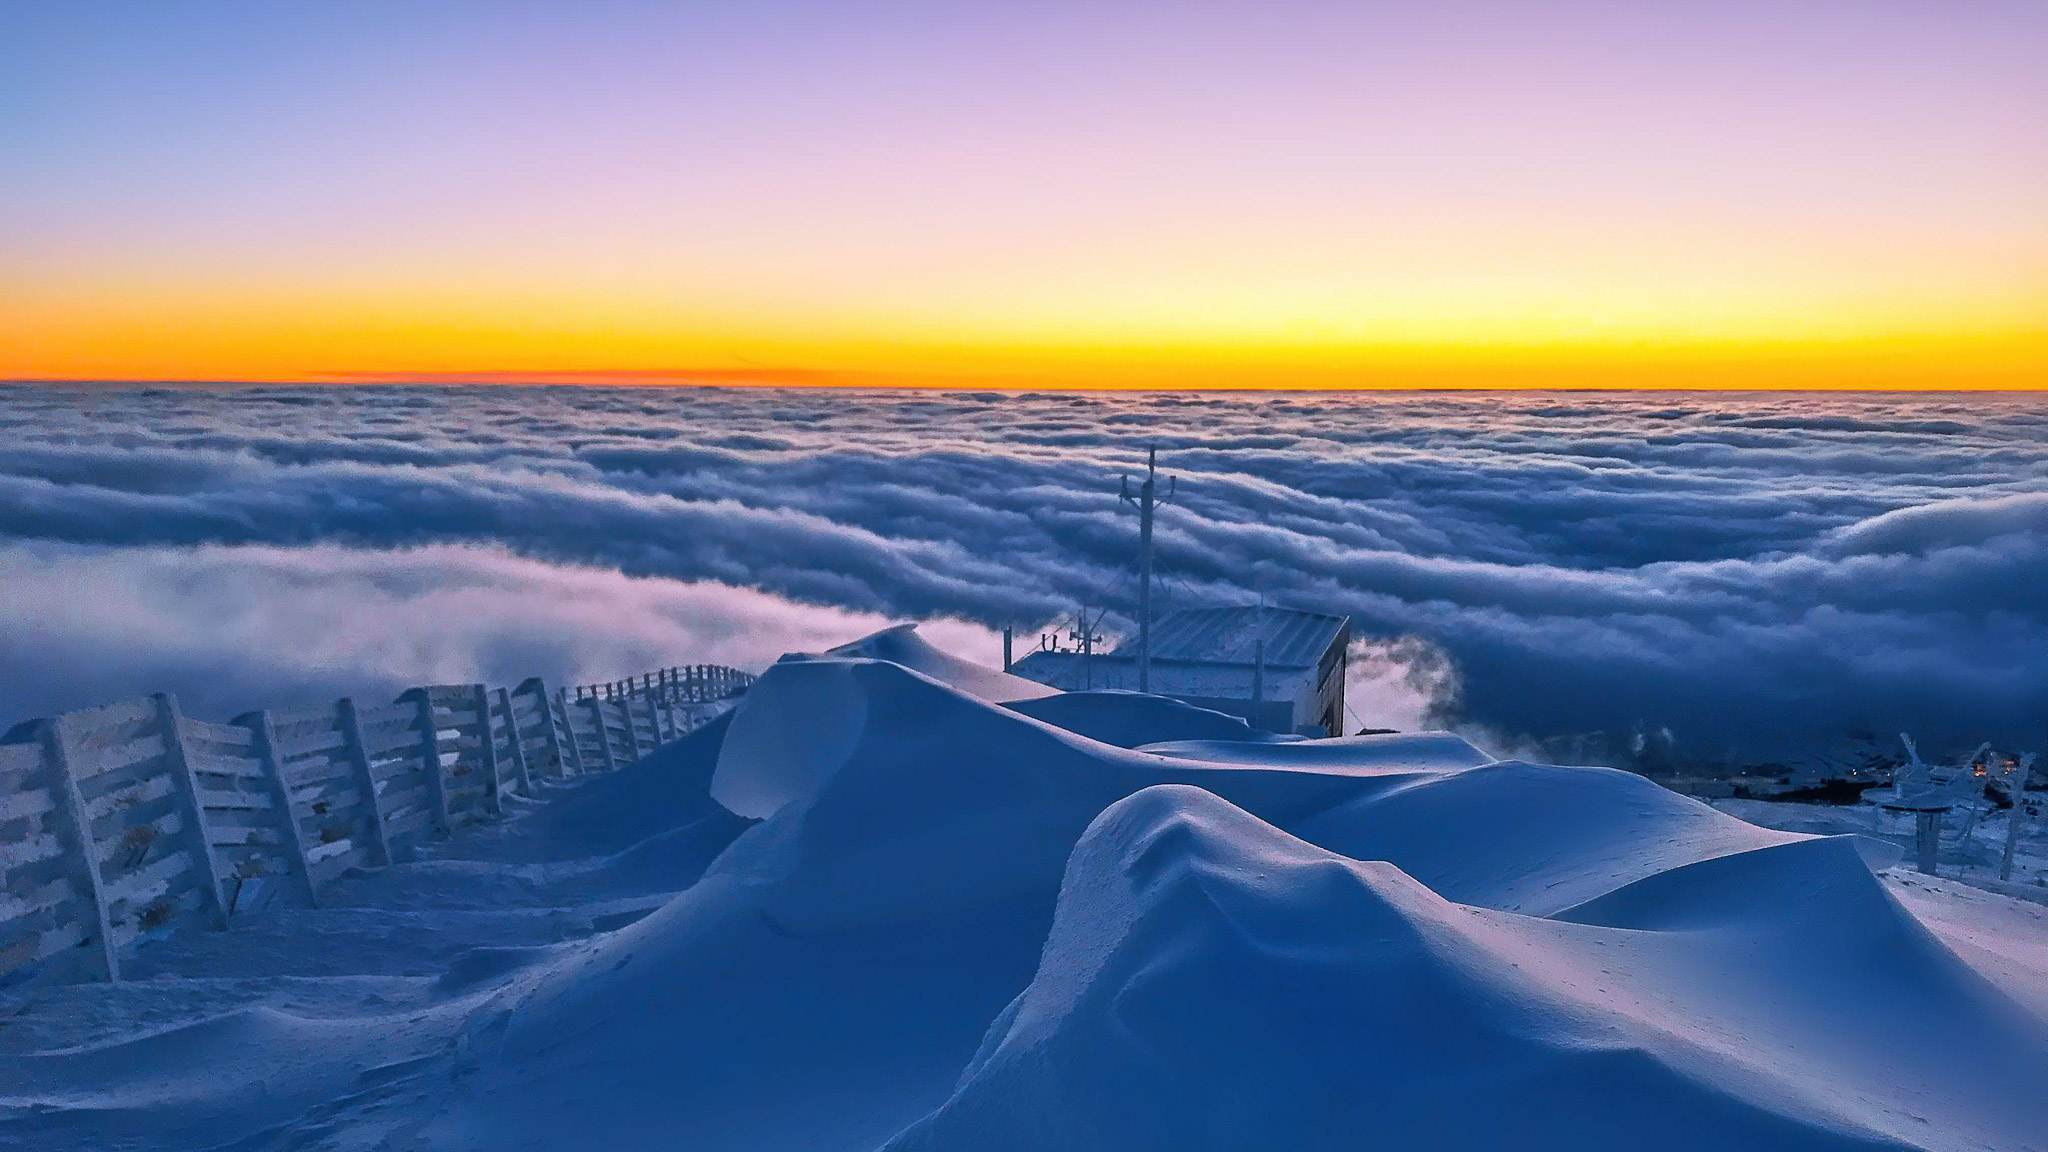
<point>1214,658</point>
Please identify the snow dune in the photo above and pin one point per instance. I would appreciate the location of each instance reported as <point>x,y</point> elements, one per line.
<point>1211,981</point>
<point>1132,719</point>
<point>957,926</point>
<point>902,645</point>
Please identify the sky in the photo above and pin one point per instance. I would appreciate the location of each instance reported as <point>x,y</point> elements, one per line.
<point>1476,193</point>
<point>1576,578</point>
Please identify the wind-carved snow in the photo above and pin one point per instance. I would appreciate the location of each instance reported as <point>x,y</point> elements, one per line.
<point>959,927</point>
<point>902,645</point>
<point>1211,982</point>
<point>1131,719</point>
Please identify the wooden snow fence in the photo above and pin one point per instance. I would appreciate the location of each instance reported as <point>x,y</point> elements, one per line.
<point>695,684</point>
<point>323,756</point>
<point>122,823</point>
<point>622,718</point>
<point>52,913</point>
<point>131,845</point>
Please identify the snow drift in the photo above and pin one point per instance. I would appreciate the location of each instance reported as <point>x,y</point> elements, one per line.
<point>959,926</point>
<point>902,645</point>
<point>1131,719</point>
<point>1213,983</point>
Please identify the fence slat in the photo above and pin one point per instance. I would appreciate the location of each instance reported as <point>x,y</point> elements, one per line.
<point>264,743</point>
<point>604,735</point>
<point>430,756</point>
<point>57,742</point>
<point>632,729</point>
<point>181,772</point>
<point>522,779</point>
<point>366,781</point>
<point>562,717</point>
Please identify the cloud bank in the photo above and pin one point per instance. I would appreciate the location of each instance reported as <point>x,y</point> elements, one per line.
<point>1751,573</point>
<point>237,627</point>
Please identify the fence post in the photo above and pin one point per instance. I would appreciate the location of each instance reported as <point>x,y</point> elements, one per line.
<point>492,784</point>
<point>522,779</point>
<point>265,739</point>
<point>653,724</point>
<point>632,726</point>
<point>430,749</point>
<point>366,781</point>
<point>169,719</point>
<point>604,735</point>
<point>57,755</point>
<point>567,720</point>
<point>546,706</point>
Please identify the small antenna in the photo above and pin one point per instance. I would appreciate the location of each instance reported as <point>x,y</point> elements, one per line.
<point>1085,638</point>
<point>1147,500</point>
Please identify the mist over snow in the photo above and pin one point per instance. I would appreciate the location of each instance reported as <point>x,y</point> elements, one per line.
<point>1719,575</point>
<point>233,627</point>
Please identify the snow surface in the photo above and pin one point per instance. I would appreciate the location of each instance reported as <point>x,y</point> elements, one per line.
<point>1974,858</point>
<point>1417,750</point>
<point>1211,982</point>
<point>958,927</point>
<point>902,645</point>
<point>1131,719</point>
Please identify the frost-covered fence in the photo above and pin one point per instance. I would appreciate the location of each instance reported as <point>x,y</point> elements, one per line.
<point>691,684</point>
<point>611,722</point>
<point>125,822</point>
<point>614,721</point>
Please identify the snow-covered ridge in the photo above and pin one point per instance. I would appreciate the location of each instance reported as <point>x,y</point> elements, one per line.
<point>957,926</point>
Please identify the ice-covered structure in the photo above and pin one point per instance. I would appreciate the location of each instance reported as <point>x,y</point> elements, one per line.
<point>1279,669</point>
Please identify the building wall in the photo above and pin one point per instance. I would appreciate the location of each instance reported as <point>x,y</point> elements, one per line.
<point>1299,700</point>
<point>1325,707</point>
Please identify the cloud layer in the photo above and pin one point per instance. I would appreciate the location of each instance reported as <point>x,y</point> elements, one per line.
<point>1753,573</point>
<point>231,628</point>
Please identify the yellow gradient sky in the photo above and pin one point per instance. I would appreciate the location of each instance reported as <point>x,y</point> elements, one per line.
<point>1207,195</point>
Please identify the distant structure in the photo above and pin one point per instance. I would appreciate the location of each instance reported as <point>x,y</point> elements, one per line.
<point>1146,500</point>
<point>1279,669</point>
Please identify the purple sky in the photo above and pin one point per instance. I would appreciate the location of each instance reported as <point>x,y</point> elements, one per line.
<point>248,189</point>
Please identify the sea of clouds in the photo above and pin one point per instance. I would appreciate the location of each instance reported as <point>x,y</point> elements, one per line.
<point>1708,577</point>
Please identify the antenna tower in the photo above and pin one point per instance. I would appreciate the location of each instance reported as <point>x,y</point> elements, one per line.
<point>1146,499</point>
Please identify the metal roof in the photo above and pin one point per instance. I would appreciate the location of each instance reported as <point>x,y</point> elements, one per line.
<point>1294,639</point>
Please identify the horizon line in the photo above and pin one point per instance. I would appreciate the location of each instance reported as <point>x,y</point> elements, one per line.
<point>859,379</point>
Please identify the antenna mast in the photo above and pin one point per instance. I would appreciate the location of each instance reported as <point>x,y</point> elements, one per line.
<point>1085,637</point>
<point>1146,500</point>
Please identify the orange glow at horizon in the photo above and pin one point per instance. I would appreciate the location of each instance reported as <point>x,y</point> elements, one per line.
<point>341,344</point>
<point>1544,193</point>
